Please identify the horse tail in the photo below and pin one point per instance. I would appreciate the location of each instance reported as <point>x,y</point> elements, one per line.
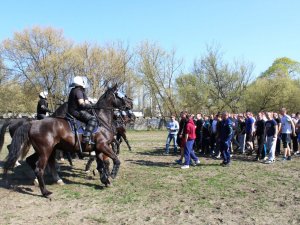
<point>20,145</point>
<point>2,132</point>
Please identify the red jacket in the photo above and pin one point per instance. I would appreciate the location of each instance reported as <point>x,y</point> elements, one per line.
<point>190,130</point>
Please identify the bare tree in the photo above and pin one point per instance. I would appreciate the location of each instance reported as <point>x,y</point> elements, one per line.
<point>158,69</point>
<point>225,84</point>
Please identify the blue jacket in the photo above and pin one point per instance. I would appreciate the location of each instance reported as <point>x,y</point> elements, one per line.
<point>226,130</point>
<point>173,127</point>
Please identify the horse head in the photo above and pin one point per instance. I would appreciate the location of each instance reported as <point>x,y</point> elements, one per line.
<point>115,99</point>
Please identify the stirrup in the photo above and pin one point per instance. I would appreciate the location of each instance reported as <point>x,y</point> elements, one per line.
<point>87,140</point>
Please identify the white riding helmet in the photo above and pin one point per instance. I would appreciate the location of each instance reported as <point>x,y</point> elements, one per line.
<point>80,81</point>
<point>43,94</point>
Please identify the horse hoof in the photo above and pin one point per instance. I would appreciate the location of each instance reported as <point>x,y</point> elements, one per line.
<point>113,175</point>
<point>36,182</point>
<point>108,183</point>
<point>47,193</point>
<point>60,182</point>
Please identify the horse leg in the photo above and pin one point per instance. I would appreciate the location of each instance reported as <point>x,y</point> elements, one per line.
<point>39,172</point>
<point>102,171</point>
<point>89,163</point>
<point>115,146</point>
<point>105,149</point>
<point>69,157</point>
<point>106,162</point>
<point>52,168</point>
<point>126,140</point>
<point>31,161</point>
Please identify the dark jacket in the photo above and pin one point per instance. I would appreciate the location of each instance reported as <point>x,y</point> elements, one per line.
<point>42,107</point>
<point>226,130</point>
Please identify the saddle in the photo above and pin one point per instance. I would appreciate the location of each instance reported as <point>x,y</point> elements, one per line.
<point>78,126</point>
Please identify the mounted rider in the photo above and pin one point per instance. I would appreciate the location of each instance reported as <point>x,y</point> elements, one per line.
<point>42,107</point>
<point>78,104</point>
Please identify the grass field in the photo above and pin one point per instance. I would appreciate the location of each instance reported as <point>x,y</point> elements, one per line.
<point>152,189</point>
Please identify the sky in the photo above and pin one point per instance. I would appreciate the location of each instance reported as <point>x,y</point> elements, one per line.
<point>255,31</point>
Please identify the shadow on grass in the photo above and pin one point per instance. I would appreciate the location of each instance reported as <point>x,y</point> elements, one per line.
<point>167,164</point>
<point>243,158</point>
<point>156,152</point>
<point>151,163</point>
<point>21,179</point>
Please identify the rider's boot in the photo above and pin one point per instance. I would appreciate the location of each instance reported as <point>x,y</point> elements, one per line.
<point>86,137</point>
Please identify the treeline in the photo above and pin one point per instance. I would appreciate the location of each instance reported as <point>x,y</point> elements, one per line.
<point>39,59</point>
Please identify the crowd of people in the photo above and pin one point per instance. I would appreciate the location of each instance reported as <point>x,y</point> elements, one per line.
<point>267,135</point>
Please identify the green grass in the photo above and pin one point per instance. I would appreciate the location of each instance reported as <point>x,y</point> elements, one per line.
<point>152,189</point>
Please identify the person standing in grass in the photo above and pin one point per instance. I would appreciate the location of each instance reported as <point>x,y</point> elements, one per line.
<point>219,126</point>
<point>190,136</point>
<point>206,135</point>
<point>287,129</point>
<point>180,135</point>
<point>249,131</point>
<point>226,133</point>
<point>278,142</point>
<point>241,133</point>
<point>260,134</point>
<point>297,127</point>
<point>295,119</point>
<point>271,132</point>
<point>199,124</point>
<point>173,127</point>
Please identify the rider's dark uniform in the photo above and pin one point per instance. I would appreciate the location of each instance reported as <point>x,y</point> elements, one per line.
<point>42,108</point>
<point>80,111</point>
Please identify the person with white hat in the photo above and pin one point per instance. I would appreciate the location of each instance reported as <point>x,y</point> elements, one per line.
<point>42,107</point>
<point>78,104</point>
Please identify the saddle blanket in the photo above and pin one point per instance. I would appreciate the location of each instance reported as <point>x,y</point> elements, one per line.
<point>80,127</point>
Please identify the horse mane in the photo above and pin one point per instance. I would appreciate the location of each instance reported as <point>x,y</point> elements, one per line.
<point>61,111</point>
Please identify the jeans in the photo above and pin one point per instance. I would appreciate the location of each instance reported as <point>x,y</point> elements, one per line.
<point>271,146</point>
<point>225,149</point>
<point>217,149</point>
<point>169,139</point>
<point>198,141</point>
<point>242,142</point>
<point>205,145</point>
<point>260,150</point>
<point>278,143</point>
<point>189,152</point>
<point>295,143</point>
<point>213,143</point>
<point>234,140</point>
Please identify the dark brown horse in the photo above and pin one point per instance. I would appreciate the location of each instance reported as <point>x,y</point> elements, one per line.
<point>121,122</point>
<point>55,133</point>
<point>13,124</point>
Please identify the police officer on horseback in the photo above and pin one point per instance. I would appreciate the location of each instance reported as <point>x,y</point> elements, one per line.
<point>78,106</point>
<point>42,107</point>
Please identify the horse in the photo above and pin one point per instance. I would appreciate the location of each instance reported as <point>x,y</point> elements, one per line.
<point>14,124</point>
<point>55,133</point>
<point>121,121</point>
